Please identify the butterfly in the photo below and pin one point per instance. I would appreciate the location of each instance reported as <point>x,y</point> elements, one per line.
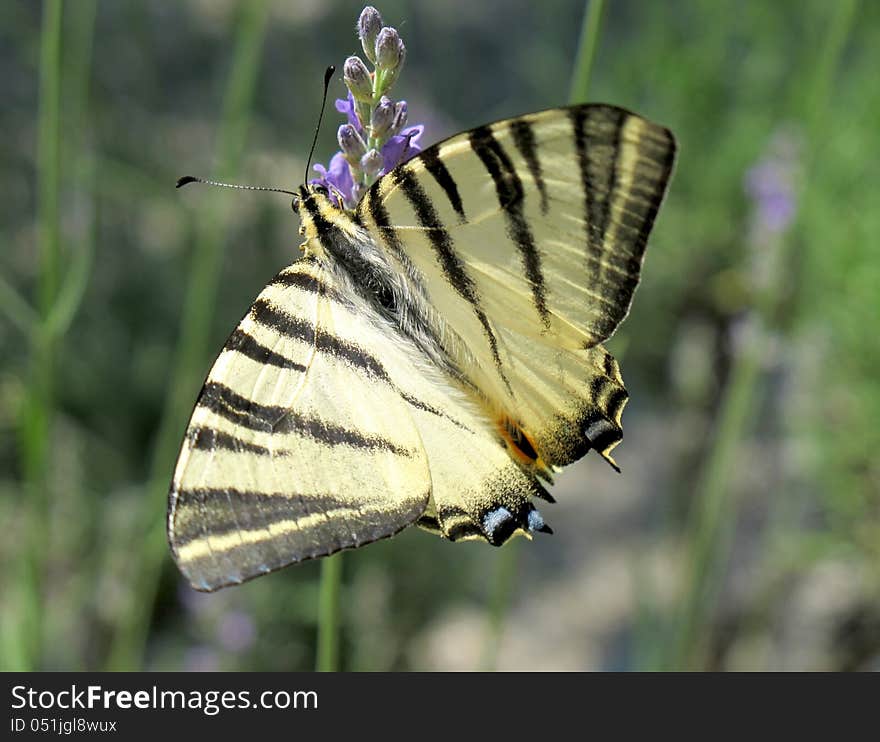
<point>433,357</point>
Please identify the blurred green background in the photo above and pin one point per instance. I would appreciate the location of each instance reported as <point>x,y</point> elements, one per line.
<point>744,532</point>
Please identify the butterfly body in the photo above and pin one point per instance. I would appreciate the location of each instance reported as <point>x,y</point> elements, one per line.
<point>434,353</point>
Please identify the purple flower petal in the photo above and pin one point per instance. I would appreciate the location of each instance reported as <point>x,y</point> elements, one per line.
<point>336,178</point>
<point>401,147</point>
<point>349,108</point>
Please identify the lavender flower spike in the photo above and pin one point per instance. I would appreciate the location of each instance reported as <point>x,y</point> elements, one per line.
<point>375,140</point>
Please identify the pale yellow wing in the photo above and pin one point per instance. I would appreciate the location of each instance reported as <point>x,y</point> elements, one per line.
<point>527,236</point>
<point>298,445</point>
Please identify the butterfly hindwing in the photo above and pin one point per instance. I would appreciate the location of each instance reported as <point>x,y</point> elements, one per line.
<point>297,446</point>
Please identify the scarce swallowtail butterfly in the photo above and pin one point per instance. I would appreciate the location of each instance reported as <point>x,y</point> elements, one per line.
<point>434,354</point>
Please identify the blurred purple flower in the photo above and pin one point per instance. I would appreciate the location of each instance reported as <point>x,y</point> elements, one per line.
<point>194,602</point>
<point>201,659</point>
<point>236,631</point>
<point>770,185</point>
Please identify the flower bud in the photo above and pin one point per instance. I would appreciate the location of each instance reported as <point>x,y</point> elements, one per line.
<point>382,118</point>
<point>400,118</point>
<point>350,143</point>
<point>357,79</point>
<point>371,163</point>
<point>369,25</point>
<point>390,50</point>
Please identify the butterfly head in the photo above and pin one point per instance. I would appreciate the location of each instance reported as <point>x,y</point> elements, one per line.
<point>320,215</point>
<point>314,198</point>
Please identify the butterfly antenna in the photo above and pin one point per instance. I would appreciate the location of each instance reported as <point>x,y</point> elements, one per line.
<point>187,179</point>
<point>328,74</point>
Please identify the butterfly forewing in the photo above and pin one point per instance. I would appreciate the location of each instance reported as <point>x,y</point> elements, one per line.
<point>527,235</point>
<point>551,210</point>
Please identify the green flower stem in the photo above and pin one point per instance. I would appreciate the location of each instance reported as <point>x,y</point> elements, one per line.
<point>586,53</point>
<point>17,309</point>
<point>713,515</point>
<point>26,625</point>
<point>499,601</point>
<point>506,567</point>
<point>328,614</point>
<point>128,643</point>
<point>79,153</point>
<point>49,153</point>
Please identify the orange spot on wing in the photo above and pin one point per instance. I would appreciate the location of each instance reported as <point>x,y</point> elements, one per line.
<point>519,444</point>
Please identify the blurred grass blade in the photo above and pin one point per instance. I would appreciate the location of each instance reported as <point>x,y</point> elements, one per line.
<point>328,614</point>
<point>49,153</point>
<point>827,64</point>
<point>713,515</point>
<point>78,270</point>
<point>131,632</point>
<point>503,585</point>
<point>586,53</point>
<point>37,411</point>
<point>77,149</point>
<point>73,288</point>
<point>17,309</point>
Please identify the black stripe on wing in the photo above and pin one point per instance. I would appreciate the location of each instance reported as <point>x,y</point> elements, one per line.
<point>510,197</point>
<point>450,263</point>
<point>615,265</point>
<point>597,143</point>
<point>204,438</point>
<point>524,139</point>
<point>255,510</point>
<point>379,214</point>
<point>247,413</point>
<point>265,313</point>
<point>241,342</point>
<point>304,281</point>
<point>433,164</point>
<point>638,214</point>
